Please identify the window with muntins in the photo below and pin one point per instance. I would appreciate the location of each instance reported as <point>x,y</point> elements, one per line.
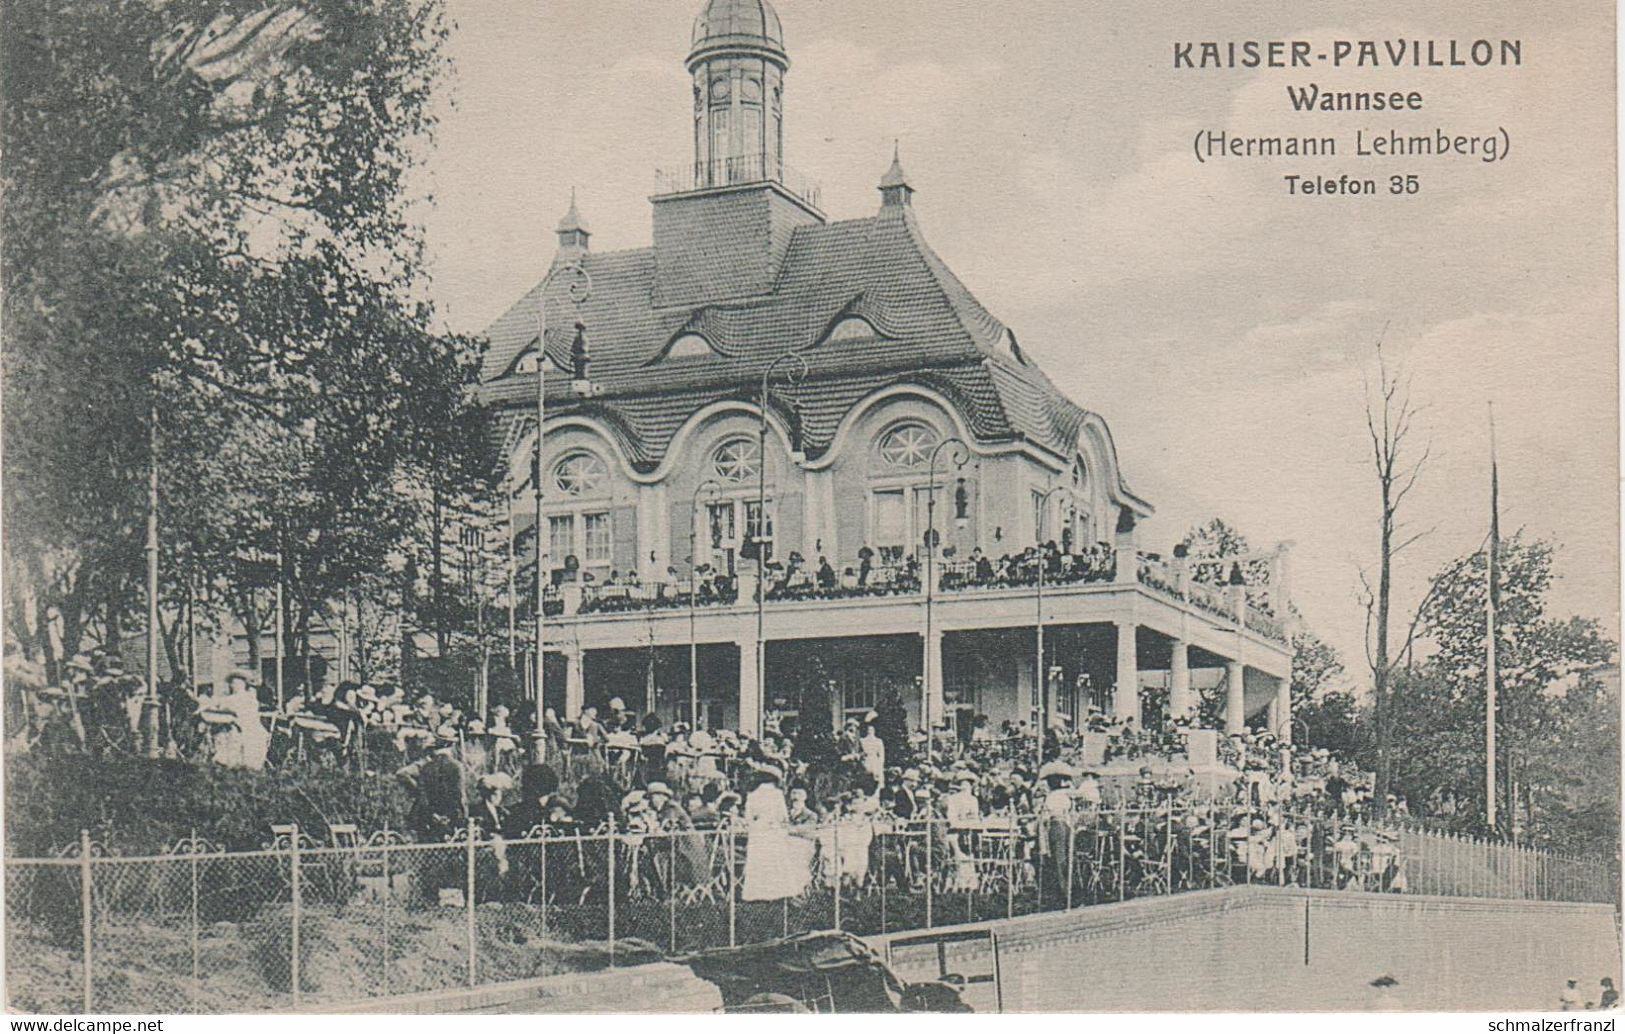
<point>737,460</point>
<point>580,473</point>
<point>908,445</point>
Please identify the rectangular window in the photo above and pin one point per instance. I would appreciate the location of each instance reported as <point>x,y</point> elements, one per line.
<point>891,522</point>
<point>1038,516</point>
<point>561,540</point>
<point>596,538</point>
<point>758,530</point>
<point>860,692</point>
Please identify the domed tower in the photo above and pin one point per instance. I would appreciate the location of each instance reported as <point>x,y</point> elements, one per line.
<point>738,62</point>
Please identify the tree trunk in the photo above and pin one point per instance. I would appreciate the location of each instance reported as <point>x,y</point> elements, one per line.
<point>1382,675</point>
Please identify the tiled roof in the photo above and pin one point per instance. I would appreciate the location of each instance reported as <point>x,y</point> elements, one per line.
<point>930,331</point>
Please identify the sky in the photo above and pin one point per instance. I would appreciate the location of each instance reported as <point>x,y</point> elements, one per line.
<point>1223,328</point>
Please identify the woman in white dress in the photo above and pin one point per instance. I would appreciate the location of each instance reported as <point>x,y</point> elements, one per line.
<point>776,864</point>
<point>243,742</point>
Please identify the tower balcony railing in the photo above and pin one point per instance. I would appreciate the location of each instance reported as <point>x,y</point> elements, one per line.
<point>739,170</point>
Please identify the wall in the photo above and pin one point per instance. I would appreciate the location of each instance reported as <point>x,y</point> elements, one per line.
<point>1235,950</point>
<point>1242,949</point>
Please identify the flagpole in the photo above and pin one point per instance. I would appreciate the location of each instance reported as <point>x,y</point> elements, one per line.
<point>1489,634</point>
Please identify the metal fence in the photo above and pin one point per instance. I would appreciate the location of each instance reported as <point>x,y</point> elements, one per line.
<point>302,924</point>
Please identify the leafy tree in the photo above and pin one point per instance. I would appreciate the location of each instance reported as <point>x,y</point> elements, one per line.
<point>891,725</point>
<point>209,248</point>
<point>1546,691</point>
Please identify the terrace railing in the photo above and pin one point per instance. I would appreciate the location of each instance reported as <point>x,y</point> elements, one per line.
<point>953,575</point>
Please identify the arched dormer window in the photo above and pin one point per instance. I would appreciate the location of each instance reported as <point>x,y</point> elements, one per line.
<point>525,363</point>
<point>852,328</point>
<point>580,473</point>
<point>688,345</point>
<point>908,444</point>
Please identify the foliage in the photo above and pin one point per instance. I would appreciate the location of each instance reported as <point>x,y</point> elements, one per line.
<point>140,807</point>
<point>1549,700</point>
<point>891,725</point>
<point>207,226</point>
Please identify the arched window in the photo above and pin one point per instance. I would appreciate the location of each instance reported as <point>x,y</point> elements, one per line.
<point>853,328</point>
<point>580,473</point>
<point>737,460</point>
<point>1080,477</point>
<point>688,345</point>
<point>908,445</point>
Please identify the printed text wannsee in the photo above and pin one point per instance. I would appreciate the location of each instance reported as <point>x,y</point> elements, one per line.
<point>1347,53</point>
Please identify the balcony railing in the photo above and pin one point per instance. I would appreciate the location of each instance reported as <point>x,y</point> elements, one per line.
<point>905,578</point>
<point>1265,624</point>
<point>736,171</point>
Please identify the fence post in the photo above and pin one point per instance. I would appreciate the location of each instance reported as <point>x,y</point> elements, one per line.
<point>293,961</point>
<point>838,871</point>
<point>671,890</point>
<point>193,846</point>
<point>1011,869</point>
<point>543,902</point>
<point>389,893</point>
<point>609,849</point>
<point>87,912</point>
<point>1071,860</point>
<point>930,873</point>
<point>1122,868</point>
<point>733,892</point>
<point>468,905</point>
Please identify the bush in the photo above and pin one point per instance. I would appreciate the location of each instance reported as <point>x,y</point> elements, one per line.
<point>135,806</point>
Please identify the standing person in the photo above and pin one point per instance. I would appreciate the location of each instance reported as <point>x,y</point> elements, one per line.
<point>1568,999</point>
<point>773,868</point>
<point>1610,997</point>
<point>874,750</point>
<point>240,739</point>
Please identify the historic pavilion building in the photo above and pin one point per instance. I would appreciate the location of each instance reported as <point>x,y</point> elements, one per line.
<point>657,463</point>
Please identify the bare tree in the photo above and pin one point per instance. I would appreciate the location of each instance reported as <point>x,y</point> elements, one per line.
<point>1398,460</point>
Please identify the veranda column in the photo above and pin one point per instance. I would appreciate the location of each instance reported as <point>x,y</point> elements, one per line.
<point>1126,698</point>
<point>1235,698</point>
<point>1180,704</point>
<point>575,682</point>
<point>750,690</point>
<point>1281,711</point>
<point>938,704</point>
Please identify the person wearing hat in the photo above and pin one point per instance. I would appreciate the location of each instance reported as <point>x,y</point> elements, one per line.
<point>874,748</point>
<point>240,739</point>
<point>774,867</point>
<point>687,847</point>
<point>1056,830</point>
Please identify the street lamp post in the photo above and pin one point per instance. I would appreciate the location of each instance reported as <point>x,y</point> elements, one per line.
<point>150,706</point>
<point>792,377</point>
<point>960,456</point>
<point>580,289</point>
<point>1040,674</point>
<point>709,488</point>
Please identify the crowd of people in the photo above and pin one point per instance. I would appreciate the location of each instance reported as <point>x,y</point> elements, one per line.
<point>1121,804</point>
<point>883,572</point>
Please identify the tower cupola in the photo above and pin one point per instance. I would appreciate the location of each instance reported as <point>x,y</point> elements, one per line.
<point>573,232</point>
<point>895,191</point>
<point>737,61</point>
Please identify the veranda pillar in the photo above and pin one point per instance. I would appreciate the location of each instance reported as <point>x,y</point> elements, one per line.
<point>1235,698</point>
<point>1126,697</point>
